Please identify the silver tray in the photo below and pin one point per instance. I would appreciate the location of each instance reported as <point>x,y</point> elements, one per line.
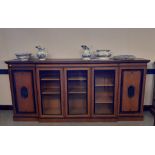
<point>124,57</point>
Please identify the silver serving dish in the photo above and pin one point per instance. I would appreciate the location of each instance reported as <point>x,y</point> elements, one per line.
<point>103,54</point>
<point>124,57</point>
<point>23,56</point>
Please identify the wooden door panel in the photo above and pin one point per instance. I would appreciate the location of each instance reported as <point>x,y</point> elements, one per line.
<point>24,91</point>
<point>131,90</point>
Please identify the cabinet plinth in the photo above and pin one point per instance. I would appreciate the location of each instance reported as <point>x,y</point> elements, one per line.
<point>78,90</point>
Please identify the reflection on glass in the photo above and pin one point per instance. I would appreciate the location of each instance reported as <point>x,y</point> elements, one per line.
<point>77,92</point>
<point>50,92</point>
<point>104,92</point>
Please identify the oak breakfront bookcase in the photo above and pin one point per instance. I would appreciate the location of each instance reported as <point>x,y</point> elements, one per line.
<point>77,90</point>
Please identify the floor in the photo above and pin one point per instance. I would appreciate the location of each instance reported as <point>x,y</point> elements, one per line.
<point>7,115</point>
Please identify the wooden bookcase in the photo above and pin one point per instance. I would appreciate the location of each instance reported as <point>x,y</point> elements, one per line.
<point>78,90</point>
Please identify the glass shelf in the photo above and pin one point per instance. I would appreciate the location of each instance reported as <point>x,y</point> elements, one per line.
<point>104,85</point>
<point>50,79</point>
<point>50,93</point>
<point>103,102</point>
<point>77,79</point>
<point>77,92</point>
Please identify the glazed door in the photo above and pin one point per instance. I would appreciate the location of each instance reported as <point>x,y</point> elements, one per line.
<point>23,90</point>
<point>105,83</point>
<point>77,92</point>
<point>50,92</point>
<point>131,91</point>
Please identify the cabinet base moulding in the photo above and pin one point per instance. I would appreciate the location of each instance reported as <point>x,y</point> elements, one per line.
<point>79,120</point>
<point>26,119</point>
<point>140,118</point>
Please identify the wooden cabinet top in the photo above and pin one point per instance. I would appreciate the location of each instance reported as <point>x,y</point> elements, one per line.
<point>77,61</point>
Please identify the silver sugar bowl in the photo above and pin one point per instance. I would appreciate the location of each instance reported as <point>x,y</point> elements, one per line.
<point>103,54</point>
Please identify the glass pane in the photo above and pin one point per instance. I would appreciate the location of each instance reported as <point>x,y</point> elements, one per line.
<point>50,92</point>
<point>77,92</point>
<point>104,92</point>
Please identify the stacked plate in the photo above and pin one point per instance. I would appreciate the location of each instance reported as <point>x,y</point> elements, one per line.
<point>124,57</point>
<point>23,56</point>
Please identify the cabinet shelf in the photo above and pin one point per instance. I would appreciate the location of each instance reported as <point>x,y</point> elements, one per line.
<point>76,92</point>
<point>53,90</point>
<point>50,93</point>
<point>77,79</point>
<point>104,85</point>
<point>77,89</point>
<point>104,99</point>
<point>104,102</point>
<point>50,79</point>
